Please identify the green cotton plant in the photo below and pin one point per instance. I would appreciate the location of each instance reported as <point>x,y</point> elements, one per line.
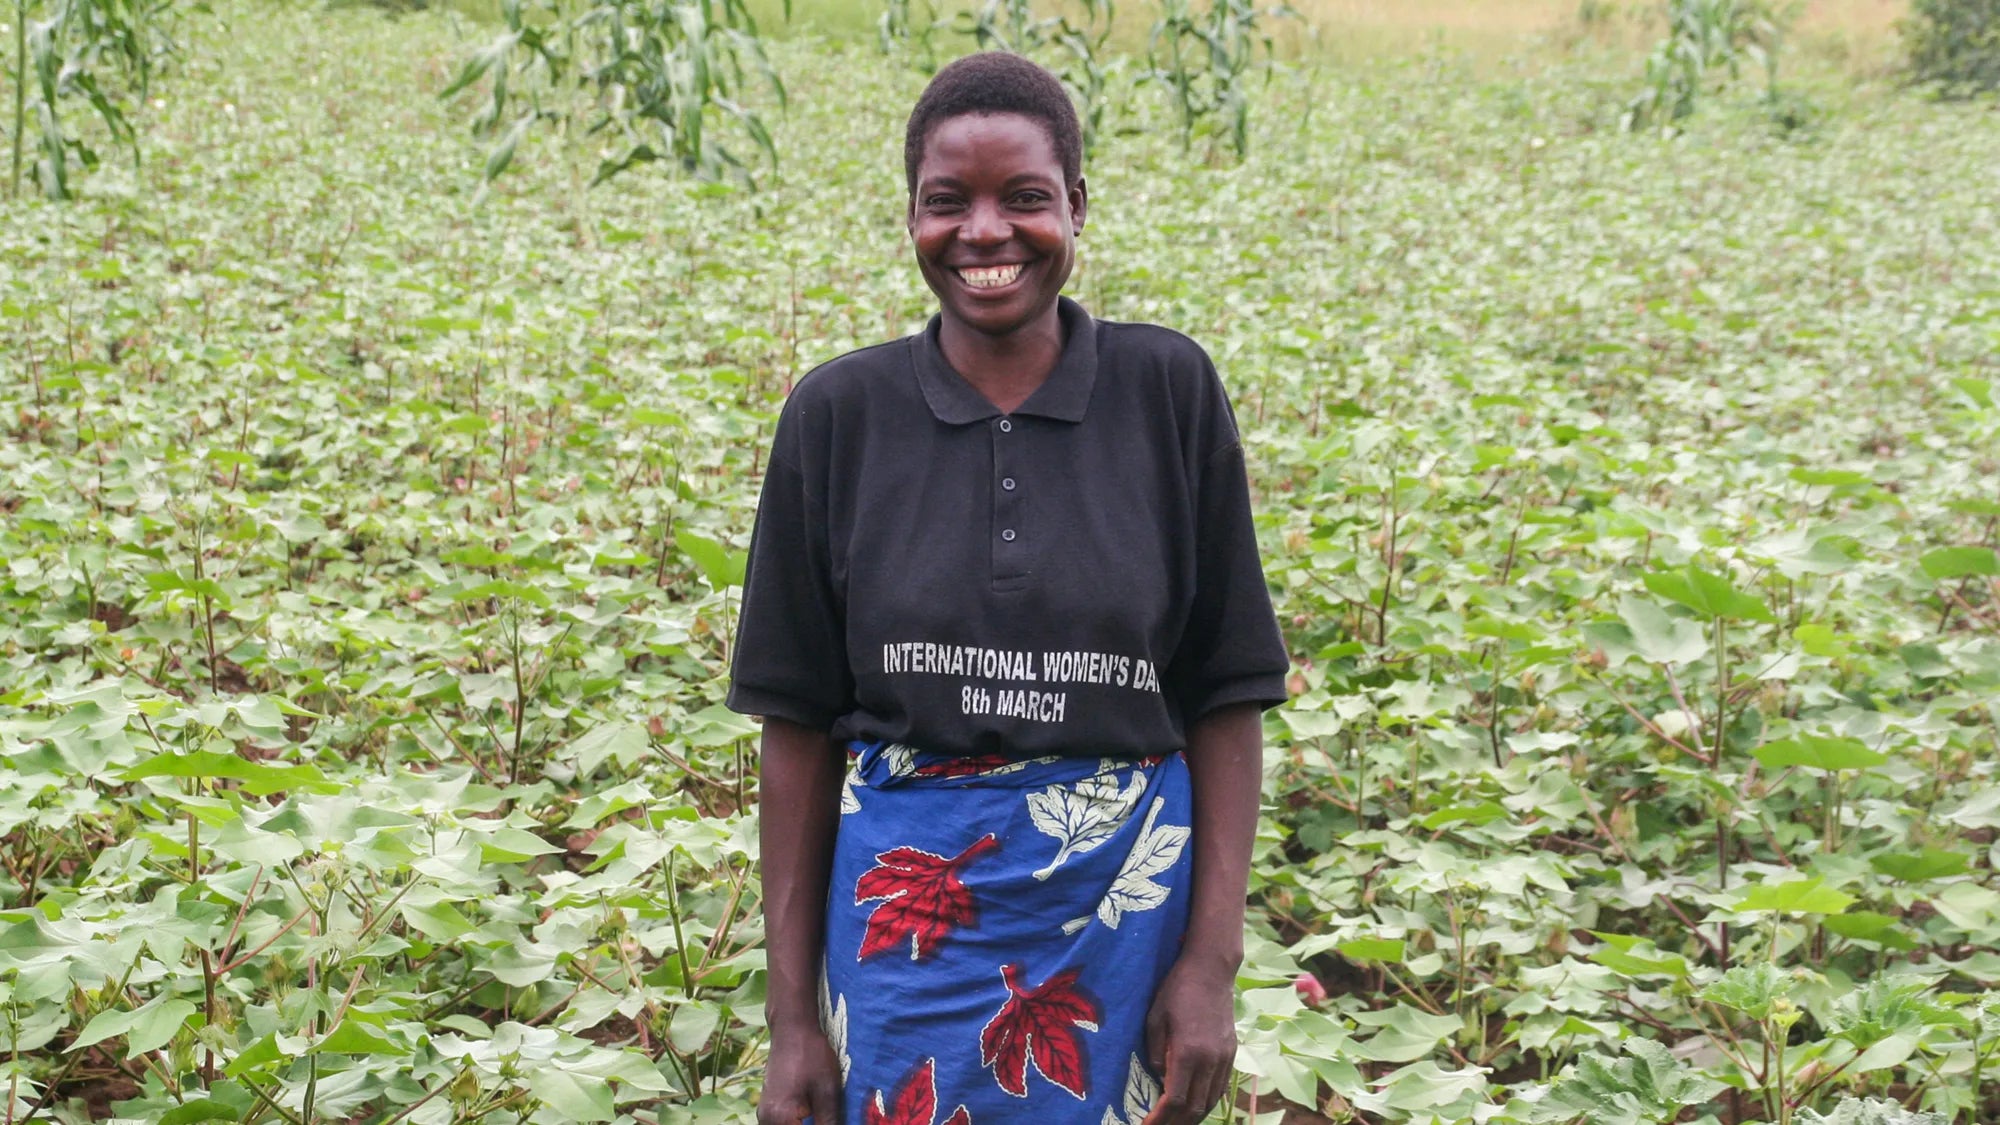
<point>97,53</point>
<point>1649,1086</point>
<point>1762,993</point>
<point>1705,39</point>
<point>1203,55</point>
<point>1870,1111</point>
<point>643,76</point>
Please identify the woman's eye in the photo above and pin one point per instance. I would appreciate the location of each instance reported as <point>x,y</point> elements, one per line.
<point>1030,199</point>
<point>940,202</point>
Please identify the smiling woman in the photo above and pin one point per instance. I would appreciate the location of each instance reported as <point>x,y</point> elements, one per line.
<point>994,217</point>
<point>1007,625</point>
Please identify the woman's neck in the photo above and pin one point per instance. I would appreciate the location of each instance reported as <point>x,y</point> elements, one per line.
<point>1005,370</point>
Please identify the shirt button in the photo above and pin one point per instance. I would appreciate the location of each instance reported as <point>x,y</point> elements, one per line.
<point>1008,535</point>
<point>1008,484</point>
<point>1006,427</point>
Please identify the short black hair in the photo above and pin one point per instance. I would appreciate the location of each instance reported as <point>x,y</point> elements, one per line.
<point>993,82</point>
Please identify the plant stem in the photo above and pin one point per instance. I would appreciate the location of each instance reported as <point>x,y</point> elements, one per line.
<point>1716,744</point>
<point>680,939</point>
<point>20,96</point>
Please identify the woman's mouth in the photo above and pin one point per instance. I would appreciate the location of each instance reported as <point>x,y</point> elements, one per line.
<point>989,277</point>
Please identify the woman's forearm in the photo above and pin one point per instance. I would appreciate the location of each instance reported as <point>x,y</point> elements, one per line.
<point>798,812</point>
<point>1225,755</point>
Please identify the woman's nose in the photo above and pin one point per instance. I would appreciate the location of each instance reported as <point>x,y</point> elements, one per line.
<point>984,224</point>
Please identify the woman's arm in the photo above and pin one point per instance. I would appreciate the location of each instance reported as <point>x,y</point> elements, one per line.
<point>799,810</point>
<point>1191,1030</point>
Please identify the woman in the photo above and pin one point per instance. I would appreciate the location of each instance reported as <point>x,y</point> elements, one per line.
<point>1006,624</point>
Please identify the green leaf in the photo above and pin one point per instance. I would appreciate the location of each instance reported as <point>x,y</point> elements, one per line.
<point>477,554</point>
<point>623,743</point>
<point>716,725</point>
<point>1866,925</point>
<point>1659,637</point>
<point>1648,1085</point>
<point>1870,1111</point>
<point>693,1022</point>
<point>720,565</point>
<point>1925,863</point>
<point>1839,478</point>
<point>1405,1034</point>
<point>503,589</point>
<point>1818,752</point>
<point>206,1109</point>
<point>1308,725</point>
<point>1798,896</point>
<point>104,1025</point>
<point>1961,562</point>
<point>514,845</point>
<point>1708,594</point>
<point>1818,640</point>
<point>502,153</point>
<point>352,1037</point>
<point>439,921</point>
<point>1751,989</point>
<point>258,778</point>
<point>226,1101</point>
<point>1465,814</point>
<point>1373,949</point>
<point>575,1099</point>
<point>1630,956</point>
<point>155,1025</point>
<point>264,1054</point>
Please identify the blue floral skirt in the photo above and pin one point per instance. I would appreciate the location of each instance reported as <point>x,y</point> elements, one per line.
<point>995,932</point>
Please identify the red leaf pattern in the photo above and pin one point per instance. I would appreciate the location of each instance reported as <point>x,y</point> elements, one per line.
<point>1038,1026</point>
<point>915,1102</point>
<point>964,767</point>
<point>923,898</point>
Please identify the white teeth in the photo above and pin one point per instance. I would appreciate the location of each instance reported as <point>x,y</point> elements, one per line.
<point>990,277</point>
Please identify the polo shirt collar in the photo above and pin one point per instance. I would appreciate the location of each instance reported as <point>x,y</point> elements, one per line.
<point>1063,396</point>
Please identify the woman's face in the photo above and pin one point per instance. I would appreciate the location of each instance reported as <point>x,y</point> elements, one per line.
<point>993,224</point>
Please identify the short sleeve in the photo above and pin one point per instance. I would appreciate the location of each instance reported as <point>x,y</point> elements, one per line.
<point>1231,650</point>
<point>790,659</point>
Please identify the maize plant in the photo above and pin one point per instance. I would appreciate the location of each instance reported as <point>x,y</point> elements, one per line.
<point>97,52</point>
<point>647,73</point>
<point>1203,57</point>
<point>1705,38</point>
<point>1078,32</point>
<point>900,24</point>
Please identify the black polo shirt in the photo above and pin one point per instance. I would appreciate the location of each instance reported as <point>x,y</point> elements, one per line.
<point>1078,577</point>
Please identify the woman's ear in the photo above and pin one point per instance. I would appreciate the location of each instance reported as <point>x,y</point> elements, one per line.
<point>1079,203</point>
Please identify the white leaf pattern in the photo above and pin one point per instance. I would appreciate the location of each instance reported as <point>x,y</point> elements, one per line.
<point>833,1021</point>
<point>850,801</point>
<point>1141,1091</point>
<point>1158,848</point>
<point>1082,817</point>
<point>902,760</point>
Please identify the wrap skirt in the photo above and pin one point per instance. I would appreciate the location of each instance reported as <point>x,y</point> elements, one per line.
<point>995,932</point>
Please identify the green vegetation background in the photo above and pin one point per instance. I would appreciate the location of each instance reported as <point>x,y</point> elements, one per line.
<point>367,568</point>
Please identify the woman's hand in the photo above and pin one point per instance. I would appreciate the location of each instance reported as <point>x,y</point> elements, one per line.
<point>1191,1030</point>
<point>801,1077</point>
<point>1191,1038</point>
<point>799,782</point>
